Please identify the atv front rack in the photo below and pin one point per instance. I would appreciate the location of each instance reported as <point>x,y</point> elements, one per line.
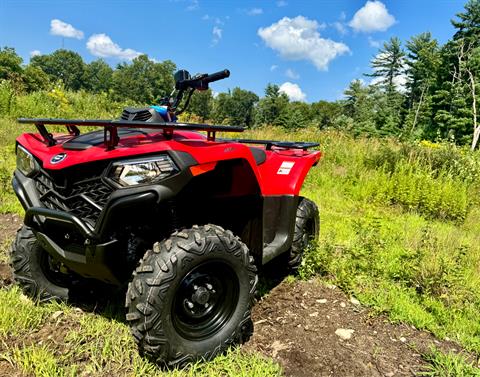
<point>111,137</point>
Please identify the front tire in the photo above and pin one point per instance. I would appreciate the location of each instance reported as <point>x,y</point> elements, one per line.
<point>191,296</point>
<point>32,269</point>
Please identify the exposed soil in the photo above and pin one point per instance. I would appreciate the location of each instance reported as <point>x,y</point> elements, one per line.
<point>299,325</point>
<point>8,226</point>
<point>296,324</point>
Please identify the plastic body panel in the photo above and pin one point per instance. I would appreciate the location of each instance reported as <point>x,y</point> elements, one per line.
<point>272,179</point>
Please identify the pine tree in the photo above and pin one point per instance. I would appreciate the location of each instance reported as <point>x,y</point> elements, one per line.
<point>423,60</point>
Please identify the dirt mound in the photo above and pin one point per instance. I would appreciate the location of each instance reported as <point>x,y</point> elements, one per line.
<point>315,330</point>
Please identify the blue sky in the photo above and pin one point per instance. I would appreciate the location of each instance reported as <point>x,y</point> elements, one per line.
<point>313,49</point>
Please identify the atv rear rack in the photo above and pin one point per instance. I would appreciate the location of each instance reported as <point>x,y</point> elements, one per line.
<point>111,137</point>
<point>275,143</point>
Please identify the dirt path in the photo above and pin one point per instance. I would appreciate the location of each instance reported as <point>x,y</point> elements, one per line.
<point>296,324</point>
<point>301,325</point>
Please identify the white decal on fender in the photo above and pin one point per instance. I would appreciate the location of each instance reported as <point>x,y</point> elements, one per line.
<point>285,167</point>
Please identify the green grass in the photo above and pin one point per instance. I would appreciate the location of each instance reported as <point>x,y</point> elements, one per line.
<point>449,365</point>
<point>400,230</point>
<point>77,342</point>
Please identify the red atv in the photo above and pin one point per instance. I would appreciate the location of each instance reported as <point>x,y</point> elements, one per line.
<point>184,218</point>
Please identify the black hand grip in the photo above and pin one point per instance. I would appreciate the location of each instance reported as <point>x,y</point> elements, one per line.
<point>217,76</point>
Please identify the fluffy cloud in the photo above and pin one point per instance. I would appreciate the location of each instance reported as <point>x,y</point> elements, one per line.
<point>373,16</point>
<point>65,30</point>
<point>35,53</point>
<point>103,46</point>
<point>298,39</point>
<point>273,67</point>
<point>293,91</point>
<point>217,34</point>
<point>291,74</point>
<point>255,11</point>
<point>281,3</point>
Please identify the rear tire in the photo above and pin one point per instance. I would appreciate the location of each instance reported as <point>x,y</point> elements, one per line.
<point>191,296</point>
<point>31,269</point>
<point>307,228</point>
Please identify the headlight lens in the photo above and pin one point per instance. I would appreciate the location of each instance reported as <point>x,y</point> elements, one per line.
<point>144,171</point>
<point>25,161</point>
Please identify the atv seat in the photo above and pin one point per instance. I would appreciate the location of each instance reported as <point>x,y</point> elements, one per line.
<point>259,155</point>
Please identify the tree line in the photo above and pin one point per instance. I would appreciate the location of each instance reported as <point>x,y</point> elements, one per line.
<point>418,90</point>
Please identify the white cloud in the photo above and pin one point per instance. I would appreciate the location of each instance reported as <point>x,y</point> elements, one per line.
<point>273,67</point>
<point>373,16</point>
<point>194,5</point>
<point>373,43</point>
<point>340,27</point>
<point>205,17</point>
<point>298,39</point>
<point>255,11</point>
<point>35,53</point>
<point>293,91</point>
<point>103,46</point>
<point>281,3</point>
<point>217,35</point>
<point>65,30</point>
<point>291,74</point>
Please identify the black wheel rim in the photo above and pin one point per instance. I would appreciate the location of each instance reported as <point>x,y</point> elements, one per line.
<point>205,300</point>
<point>51,270</point>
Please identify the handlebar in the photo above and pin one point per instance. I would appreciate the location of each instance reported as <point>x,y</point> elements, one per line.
<point>220,75</point>
<point>200,82</point>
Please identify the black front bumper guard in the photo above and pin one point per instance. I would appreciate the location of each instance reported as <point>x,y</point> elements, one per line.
<point>98,257</point>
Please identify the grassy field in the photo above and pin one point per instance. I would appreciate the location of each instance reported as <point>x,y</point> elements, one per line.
<point>400,230</point>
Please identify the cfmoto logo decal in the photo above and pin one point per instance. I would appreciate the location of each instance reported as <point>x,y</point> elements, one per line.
<point>58,158</point>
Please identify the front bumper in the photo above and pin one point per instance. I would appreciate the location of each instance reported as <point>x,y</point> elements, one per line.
<point>91,251</point>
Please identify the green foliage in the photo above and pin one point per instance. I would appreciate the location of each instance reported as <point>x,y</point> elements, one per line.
<point>235,107</point>
<point>98,77</point>
<point>62,65</point>
<point>448,365</point>
<point>201,104</point>
<point>143,80</point>
<point>270,107</point>
<point>10,65</point>
<point>388,64</point>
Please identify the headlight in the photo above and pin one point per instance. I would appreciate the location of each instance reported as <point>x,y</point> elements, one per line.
<point>144,171</point>
<point>25,161</point>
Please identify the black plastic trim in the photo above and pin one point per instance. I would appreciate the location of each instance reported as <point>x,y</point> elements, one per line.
<point>279,213</point>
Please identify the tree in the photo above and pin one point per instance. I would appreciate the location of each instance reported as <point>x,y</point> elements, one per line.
<point>235,107</point>
<point>468,24</point>
<point>35,79</point>
<point>201,104</point>
<point>143,80</point>
<point>363,104</point>
<point>388,69</point>
<point>11,68</point>
<point>423,61</point>
<point>388,65</point>
<point>98,76</point>
<point>270,107</point>
<point>62,65</point>
<point>10,64</point>
<point>324,113</point>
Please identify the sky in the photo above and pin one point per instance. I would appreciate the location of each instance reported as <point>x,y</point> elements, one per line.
<point>311,49</point>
